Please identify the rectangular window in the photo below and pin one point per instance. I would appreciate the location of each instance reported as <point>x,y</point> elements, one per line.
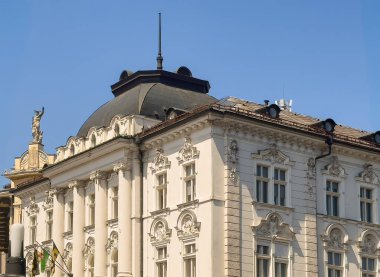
<point>70,216</point>
<point>189,260</point>
<point>262,180</point>
<point>161,262</point>
<point>190,182</point>
<point>33,229</point>
<point>49,225</point>
<point>262,261</point>
<point>280,269</point>
<point>334,264</point>
<point>366,204</point>
<point>279,187</point>
<point>91,209</point>
<point>332,198</point>
<point>368,267</point>
<point>161,191</point>
<point>115,202</point>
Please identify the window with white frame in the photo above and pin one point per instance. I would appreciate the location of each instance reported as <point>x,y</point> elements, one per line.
<point>190,182</point>
<point>366,200</point>
<point>281,260</point>
<point>115,202</point>
<point>262,180</point>
<point>161,190</point>
<point>49,224</point>
<point>334,264</point>
<point>332,198</point>
<point>189,260</point>
<point>161,261</point>
<point>368,267</point>
<point>33,229</point>
<point>279,183</point>
<point>70,216</point>
<point>262,260</point>
<point>91,209</point>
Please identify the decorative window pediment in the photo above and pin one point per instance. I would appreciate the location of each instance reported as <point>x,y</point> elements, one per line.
<point>368,175</point>
<point>33,208</point>
<point>89,247</point>
<point>335,169</point>
<point>187,152</point>
<point>274,227</point>
<point>49,200</point>
<point>160,161</point>
<point>159,231</point>
<point>335,238</point>
<point>187,225</point>
<point>112,242</point>
<point>273,155</point>
<point>368,245</point>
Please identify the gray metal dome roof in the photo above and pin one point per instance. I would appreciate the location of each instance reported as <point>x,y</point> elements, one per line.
<point>150,93</point>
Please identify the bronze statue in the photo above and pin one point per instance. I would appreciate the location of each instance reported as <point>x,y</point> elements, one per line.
<point>36,131</point>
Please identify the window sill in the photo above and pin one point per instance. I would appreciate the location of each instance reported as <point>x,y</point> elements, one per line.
<point>191,204</point>
<point>31,246</point>
<point>111,222</point>
<point>285,209</point>
<point>165,211</point>
<point>47,242</point>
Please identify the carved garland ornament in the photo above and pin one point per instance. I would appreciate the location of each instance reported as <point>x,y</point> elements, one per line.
<point>159,231</point>
<point>335,239</point>
<point>33,207</point>
<point>49,200</point>
<point>187,152</point>
<point>160,161</point>
<point>112,242</point>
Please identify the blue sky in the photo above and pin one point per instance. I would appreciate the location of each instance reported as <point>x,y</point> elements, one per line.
<point>64,55</point>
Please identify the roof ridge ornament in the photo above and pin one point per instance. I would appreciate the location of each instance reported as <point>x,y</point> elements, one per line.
<point>159,56</point>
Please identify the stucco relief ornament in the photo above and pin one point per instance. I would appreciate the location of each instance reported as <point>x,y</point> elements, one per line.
<point>89,247</point>
<point>36,131</point>
<point>188,227</point>
<point>273,227</point>
<point>233,176</point>
<point>33,207</point>
<point>335,169</point>
<point>233,152</point>
<point>49,200</point>
<point>160,161</point>
<point>368,175</point>
<point>112,241</point>
<point>311,167</point>
<point>67,252</point>
<point>336,240</point>
<point>188,151</point>
<point>369,245</point>
<point>273,155</point>
<point>160,232</point>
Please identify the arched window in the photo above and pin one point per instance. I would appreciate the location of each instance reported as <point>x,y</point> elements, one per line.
<point>335,250</point>
<point>368,249</point>
<point>114,258</point>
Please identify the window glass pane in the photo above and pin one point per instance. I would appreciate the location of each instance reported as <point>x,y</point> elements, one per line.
<point>276,194</point>
<point>335,206</point>
<point>369,212</point>
<point>330,272</point>
<point>369,194</point>
<point>282,175</point>
<point>265,171</point>
<point>335,187</point>
<point>362,211</point>
<point>328,186</point>
<point>371,264</point>
<point>337,273</point>
<point>258,169</point>
<point>362,192</point>
<point>282,195</point>
<point>265,192</point>
<point>276,174</point>
<point>328,204</point>
<point>258,191</point>
<point>337,260</point>
<point>329,258</point>
<point>283,269</point>
<point>364,263</point>
<point>265,267</point>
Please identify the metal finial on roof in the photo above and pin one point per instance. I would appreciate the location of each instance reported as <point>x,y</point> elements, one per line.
<point>159,56</point>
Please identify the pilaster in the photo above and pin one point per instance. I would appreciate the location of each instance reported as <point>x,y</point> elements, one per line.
<point>100,183</point>
<point>58,215</point>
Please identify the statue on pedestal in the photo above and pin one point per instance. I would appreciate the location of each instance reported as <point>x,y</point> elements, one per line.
<point>36,131</point>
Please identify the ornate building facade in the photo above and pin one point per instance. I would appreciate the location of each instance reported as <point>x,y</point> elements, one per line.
<point>165,180</point>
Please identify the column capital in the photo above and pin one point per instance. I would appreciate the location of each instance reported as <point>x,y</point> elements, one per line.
<point>76,184</point>
<point>121,166</point>
<point>98,175</point>
<point>57,191</point>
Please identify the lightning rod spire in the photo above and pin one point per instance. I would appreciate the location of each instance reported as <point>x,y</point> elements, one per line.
<point>159,56</point>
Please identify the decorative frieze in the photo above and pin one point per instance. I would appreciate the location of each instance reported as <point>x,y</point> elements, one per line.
<point>187,152</point>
